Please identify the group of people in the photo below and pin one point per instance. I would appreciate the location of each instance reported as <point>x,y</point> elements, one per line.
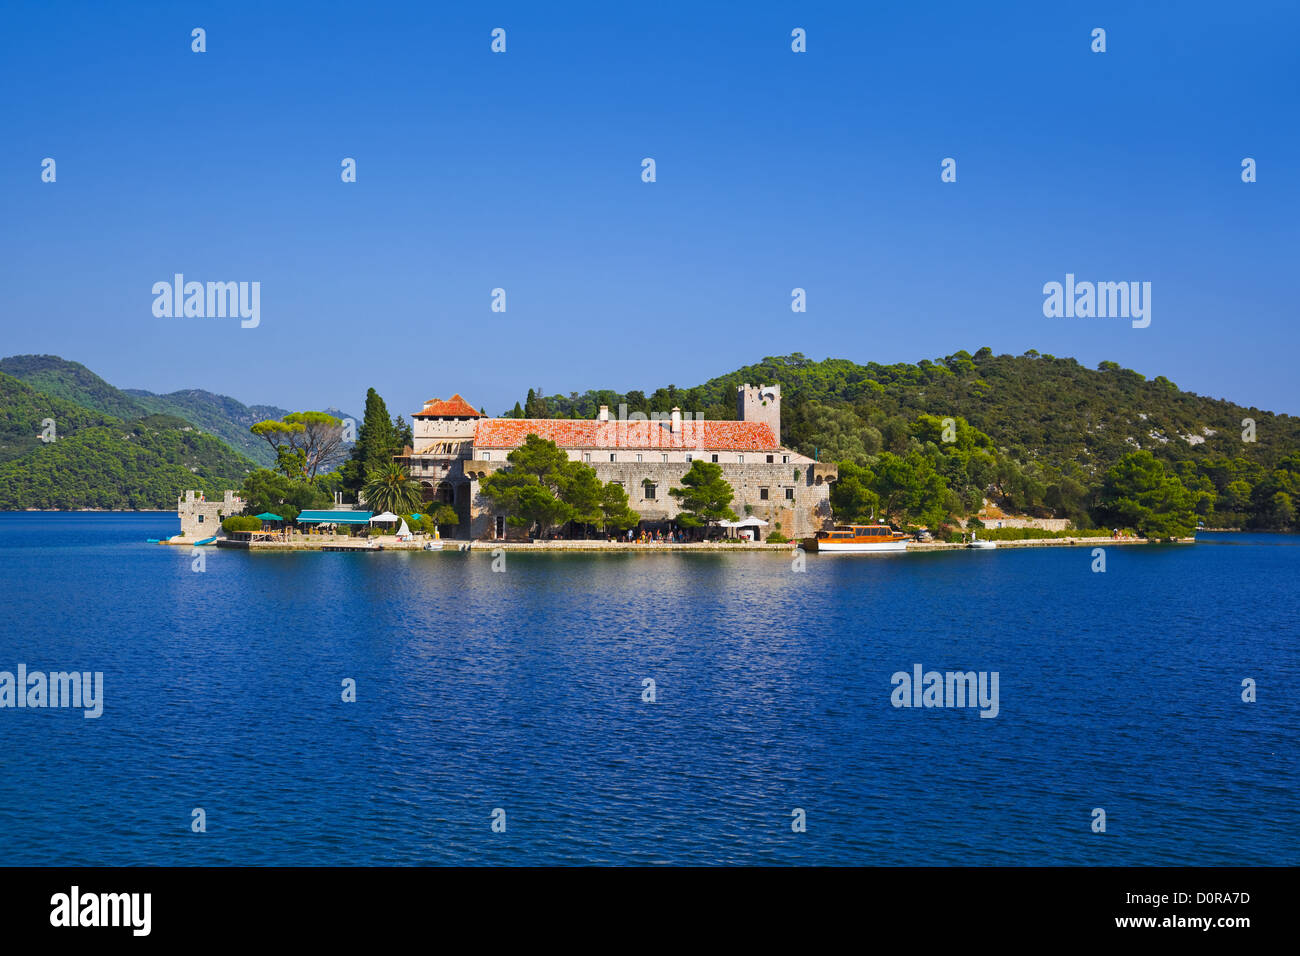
<point>645,536</point>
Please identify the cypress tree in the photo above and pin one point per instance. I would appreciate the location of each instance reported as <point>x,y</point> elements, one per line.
<point>377,442</point>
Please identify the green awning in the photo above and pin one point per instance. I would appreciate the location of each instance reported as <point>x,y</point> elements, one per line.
<point>267,516</point>
<point>335,517</point>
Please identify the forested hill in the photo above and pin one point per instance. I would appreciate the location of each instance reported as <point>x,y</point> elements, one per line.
<point>219,415</point>
<point>1063,423</point>
<point>72,382</point>
<point>223,416</point>
<point>1051,408</point>
<point>69,439</point>
<point>91,459</point>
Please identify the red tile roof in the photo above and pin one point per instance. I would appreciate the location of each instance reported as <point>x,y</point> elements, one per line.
<point>590,433</point>
<point>454,407</point>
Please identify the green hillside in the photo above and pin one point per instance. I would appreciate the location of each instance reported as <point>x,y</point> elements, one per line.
<point>219,415</point>
<point>72,382</point>
<point>143,464</point>
<point>1057,427</point>
<point>98,460</point>
<point>23,410</point>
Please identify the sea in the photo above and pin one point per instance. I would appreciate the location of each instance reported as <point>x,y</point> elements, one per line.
<point>416,708</point>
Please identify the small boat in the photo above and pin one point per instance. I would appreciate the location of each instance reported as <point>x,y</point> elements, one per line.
<point>857,539</point>
<point>433,546</point>
<point>211,540</point>
<point>979,545</point>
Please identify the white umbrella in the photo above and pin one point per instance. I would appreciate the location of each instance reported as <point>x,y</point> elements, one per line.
<point>750,522</point>
<point>386,516</point>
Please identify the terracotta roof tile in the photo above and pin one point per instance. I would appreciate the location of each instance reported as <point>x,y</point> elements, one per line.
<point>590,433</point>
<point>454,407</point>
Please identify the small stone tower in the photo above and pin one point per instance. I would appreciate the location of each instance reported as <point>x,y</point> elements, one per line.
<point>760,403</point>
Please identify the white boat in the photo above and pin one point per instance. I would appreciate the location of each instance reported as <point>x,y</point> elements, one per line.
<point>857,539</point>
<point>979,545</point>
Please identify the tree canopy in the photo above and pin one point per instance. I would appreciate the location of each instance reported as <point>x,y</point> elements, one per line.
<point>705,496</point>
<point>541,488</point>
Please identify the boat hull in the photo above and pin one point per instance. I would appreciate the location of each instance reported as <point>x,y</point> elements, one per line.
<point>854,547</point>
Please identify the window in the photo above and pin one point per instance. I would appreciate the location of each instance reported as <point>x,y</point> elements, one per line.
<point>762,494</point>
<point>740,459</point>
<point>770,459</point>
<point>200,519</point>
<point>487,456</point>
<point>789,494</point>
<point>611,456</point>
<point>715,459</point>
<point>586,456</point>
<point>665,457</point>
<point>689,458</point>
<point>638,457</point>
<point>785,459</point>
<point>649,490</point>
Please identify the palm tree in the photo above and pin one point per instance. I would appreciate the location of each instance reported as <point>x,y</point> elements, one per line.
<point>390,488</point>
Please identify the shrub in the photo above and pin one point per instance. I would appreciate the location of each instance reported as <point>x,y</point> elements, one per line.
<point>241,523</point>
<point>776,537</point>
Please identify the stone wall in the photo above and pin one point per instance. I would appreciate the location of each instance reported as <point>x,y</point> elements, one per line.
<point>202,519</point>
<point>806,512</point>
<point>1042,524</point>
<point>760,403</point>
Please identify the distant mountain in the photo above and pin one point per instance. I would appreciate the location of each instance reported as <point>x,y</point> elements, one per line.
<point>96,460</point>
<point>72,382</point>
<point>116,448</point>
<point>221,415</point>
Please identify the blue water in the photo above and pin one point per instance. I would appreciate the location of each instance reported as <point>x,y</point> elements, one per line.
<point>522,691</point>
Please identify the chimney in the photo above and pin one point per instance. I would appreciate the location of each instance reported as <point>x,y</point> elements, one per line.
<point>603,414</point>
<point>677,421</point>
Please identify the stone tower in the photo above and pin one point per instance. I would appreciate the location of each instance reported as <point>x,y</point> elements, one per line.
<point>761,403</point>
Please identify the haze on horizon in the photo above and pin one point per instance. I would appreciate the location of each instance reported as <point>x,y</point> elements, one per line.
<point>522,171</point>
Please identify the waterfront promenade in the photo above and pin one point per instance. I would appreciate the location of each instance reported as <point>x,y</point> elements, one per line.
<point>390,543</point>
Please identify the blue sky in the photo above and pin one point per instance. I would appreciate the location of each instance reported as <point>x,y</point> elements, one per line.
<point>522,170</point>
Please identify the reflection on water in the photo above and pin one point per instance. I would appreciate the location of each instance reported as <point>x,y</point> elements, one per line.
<point>523,690</point>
